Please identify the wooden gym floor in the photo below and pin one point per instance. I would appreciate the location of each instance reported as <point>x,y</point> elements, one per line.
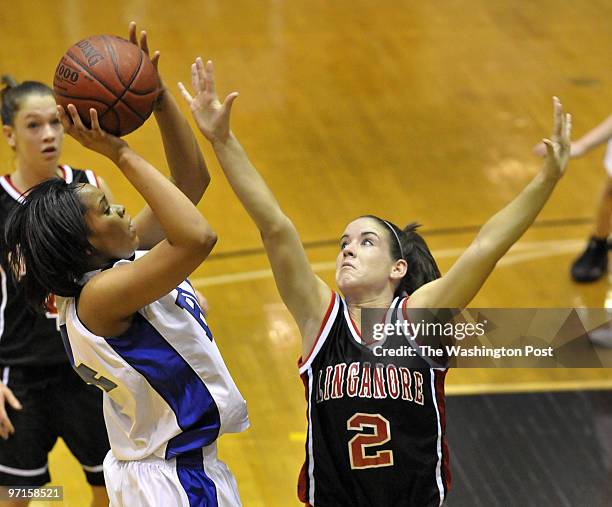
<point>420,111</point>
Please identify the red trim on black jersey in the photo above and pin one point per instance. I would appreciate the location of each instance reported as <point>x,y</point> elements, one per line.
<point>303,477</point>
<point>439,376</point>
<point>355,328</point>
<point>10,182</point>
<point>301,361</point>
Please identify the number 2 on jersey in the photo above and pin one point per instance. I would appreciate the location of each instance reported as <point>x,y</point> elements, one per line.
<point>379,434</point>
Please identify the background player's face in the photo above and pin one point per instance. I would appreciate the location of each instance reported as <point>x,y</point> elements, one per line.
<point>36,134</point>
<point>364,264</point>
<point>111,230</point>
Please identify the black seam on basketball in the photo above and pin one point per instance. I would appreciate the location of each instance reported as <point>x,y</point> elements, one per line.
<point>91,99</point>
<point>90,72</point>
<point>126,88</point>
<point>111,51</point>
<point>142,94</point>
<point>117,98</point>
<point>113,55</point>
<point>118,118</point>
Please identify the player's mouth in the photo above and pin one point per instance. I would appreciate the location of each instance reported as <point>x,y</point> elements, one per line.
<point>49,150</point>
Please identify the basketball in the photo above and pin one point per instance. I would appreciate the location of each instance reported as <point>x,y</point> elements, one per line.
<point>111,75</point>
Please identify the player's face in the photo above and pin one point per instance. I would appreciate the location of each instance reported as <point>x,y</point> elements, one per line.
<point>364,264</point>
<point>111,231</point>
<point>36,134</point>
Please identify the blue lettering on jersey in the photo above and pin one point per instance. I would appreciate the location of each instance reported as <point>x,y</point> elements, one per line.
<point>187,301</point>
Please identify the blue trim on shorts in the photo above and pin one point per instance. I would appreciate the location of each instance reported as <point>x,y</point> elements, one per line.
<point>200,488</point>
<point>150,354</point>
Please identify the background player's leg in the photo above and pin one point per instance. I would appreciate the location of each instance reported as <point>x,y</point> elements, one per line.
<point>23,456</point>
<point>81,424</point>
<point>593,262</point>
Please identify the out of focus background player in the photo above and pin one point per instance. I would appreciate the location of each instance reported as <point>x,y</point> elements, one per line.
<point>408,107</point>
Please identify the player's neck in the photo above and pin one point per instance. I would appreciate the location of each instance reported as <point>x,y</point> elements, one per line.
<point>25,177</point>
<point>356,303</point>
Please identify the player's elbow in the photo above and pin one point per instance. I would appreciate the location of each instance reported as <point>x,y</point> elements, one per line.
<point>201,240</point>
<point>208,240</point>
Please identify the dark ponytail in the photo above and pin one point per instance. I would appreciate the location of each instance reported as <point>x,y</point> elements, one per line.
<point>422,267</point>
<point>45,245</point>
<point>13,93</point>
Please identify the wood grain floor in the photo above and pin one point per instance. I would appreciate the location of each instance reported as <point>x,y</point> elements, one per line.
<point>420,111</point>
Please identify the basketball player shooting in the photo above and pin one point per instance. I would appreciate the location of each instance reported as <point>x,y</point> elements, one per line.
<point>366,448</point>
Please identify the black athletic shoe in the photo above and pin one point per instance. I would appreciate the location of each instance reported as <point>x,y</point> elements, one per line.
<point>593,262</point>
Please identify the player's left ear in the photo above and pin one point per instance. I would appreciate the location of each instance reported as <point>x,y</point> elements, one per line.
<point>9,134</point>
<point>399,269</point>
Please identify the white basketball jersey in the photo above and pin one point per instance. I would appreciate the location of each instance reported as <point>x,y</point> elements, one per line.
<point>166,388</point>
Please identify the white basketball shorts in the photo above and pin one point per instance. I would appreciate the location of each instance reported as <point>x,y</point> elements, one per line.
<point>195,479</point>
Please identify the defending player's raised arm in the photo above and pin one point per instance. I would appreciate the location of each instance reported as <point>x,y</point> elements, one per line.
<point>188,169</point>
<point>305,294</point>
<point>109,300</point>
<point>589,141</point>
<point>465,278</point>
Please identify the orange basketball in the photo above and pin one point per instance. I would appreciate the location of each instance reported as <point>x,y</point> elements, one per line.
<point>111,75</point>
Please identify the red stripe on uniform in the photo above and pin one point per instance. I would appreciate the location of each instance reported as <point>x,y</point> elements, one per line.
<point>441,400</point>
<point>303,477</point>
<point>327,314</point>
<point>10,182</point>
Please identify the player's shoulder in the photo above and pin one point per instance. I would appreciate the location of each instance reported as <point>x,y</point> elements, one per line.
<point>73,174</point>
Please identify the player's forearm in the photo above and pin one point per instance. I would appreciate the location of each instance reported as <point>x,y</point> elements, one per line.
<point>187,166</point>
<point>249,186</point>
<point>502,230</point>
<point>179,218</point>
<point>596,136</point>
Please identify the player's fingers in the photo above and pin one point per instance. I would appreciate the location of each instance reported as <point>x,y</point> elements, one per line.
<point>550,150</point>
<point>201,72</point>
<point>76,119</point>
<point>229,100</point>
<point>186,95</point>
<point>567,133</point>
<point>210,77</point>
<point>155,59</point>
<point>12,399</point>
<point>195,83</point>
<point>144,44</point>
<point>95,124</point>
<point>557,119</point>
<point>63,116</point>
<point>132,32</point>
<point>6,427</point>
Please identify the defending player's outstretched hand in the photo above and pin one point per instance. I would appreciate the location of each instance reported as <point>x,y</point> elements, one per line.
<point>558,146</point>
<point>211,117</point>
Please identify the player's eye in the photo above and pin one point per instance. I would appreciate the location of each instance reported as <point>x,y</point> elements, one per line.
<point>367,242</point>
<point>343,245</point>
<point>32,125</point>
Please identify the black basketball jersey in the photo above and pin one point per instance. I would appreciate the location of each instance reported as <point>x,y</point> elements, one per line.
<point>26,337</point>
<point>376,427</point>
